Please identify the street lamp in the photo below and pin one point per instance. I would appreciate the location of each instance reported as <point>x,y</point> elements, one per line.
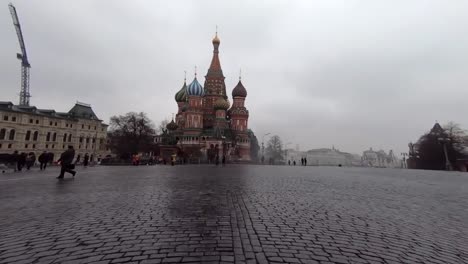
<point>444,142</point>
<point>263,146</point>
<point>286,151</point>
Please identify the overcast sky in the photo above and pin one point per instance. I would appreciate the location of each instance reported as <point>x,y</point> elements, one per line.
<point>353,74</point>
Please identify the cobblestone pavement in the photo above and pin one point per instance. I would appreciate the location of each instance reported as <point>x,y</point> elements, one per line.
<point>236,214</point>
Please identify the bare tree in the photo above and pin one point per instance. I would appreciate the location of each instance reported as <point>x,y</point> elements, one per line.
<point>130,134</point>
<point>274,148</point>
<point>162,126</point>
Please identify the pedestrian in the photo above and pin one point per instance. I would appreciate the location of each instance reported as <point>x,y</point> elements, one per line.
<point>86,160</point>
<point>78,158</point>
<point>302,161</point>
<point>217,160</point>
<point>21,161</point>
<point>30,160</point>
<point>294,162</point>
<point>15,159</point>
<point>224,160</point>
<point>66,162</point>
<point>173,159</point>
<point>43,160</point>
<point>305,161</point>
<point>289,162</point>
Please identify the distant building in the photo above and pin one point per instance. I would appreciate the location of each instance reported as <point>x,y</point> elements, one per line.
<point>29,129</point>
<point>381,159</point>
<point>324,157</point>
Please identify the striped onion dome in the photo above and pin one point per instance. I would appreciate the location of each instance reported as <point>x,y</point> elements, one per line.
<point>239,90</point>
<point>172,126</point>
<point>221,104</point>
<point>181,95</point>
<point>195,88</point>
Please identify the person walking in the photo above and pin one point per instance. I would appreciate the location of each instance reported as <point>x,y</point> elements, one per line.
<point>223,161</point>
<point>30,160</point>
<point>66,162</point>
<point>86,160</point>
<point>289,162</point>
<point>21,161</point>
<point>78,159</point>
<point>14,160</point>
<point>43,158</point>
<point>305,161</point>
<point>294,162</point>
<point>217,160</point>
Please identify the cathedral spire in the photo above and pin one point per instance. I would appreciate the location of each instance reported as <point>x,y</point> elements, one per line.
<point>215,66</point>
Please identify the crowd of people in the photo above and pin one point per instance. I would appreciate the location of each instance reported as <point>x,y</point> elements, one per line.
<point>19,161</point>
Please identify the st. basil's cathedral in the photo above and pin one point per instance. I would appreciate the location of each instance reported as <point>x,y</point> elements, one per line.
<point>206,126</point>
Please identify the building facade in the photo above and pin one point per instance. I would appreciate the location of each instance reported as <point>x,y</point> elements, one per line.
<point>381,159</point>
<point>206,125</point>
<point>29,129</point>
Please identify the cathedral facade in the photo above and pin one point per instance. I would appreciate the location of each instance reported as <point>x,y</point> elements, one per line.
<point>207,126</point>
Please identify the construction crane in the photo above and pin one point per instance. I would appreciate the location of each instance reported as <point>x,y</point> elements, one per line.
<point>25,66</point>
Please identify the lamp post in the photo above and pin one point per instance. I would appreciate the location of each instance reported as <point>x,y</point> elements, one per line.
<point>263,146</point>
<point>444,142</point>
<point>286,151</point>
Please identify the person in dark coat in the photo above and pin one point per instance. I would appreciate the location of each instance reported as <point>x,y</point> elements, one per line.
<point>30,160</point>
<point>305,161</point>
<point>86,160</point>
<point>66,162</point>
<point>78,159</point>
<point>14,159</point>
<point>21,161</point>
<point>223,161</point>
<point>43,158</point>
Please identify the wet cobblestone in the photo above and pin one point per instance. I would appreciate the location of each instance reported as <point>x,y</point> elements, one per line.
<point>236,214</point>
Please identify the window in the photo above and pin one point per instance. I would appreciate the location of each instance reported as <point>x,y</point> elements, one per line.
<point>82,126</point>
<point>36,135</point>
<point>94,140</point>
<point>0,146</point>
<point>50,123</point>
<point>81,139</point>
<point>53,146</point>
<point>66,125</point>
<point>54,137</point>
<point>5,118</point>
<point>48,136</point>
<point>79,146</point>
<point>9,146</point>
<point>89,126</point>
<point>95,127</point>
<point>28,135</point>
<point>69,138</point>
<point>63,146</point>
<point>31,121</point>
<point>12,135</point>
<point>55,123</point>
<point>87,140</point>
<point>46,146</point>
<point>37,121</point>
<point>13,119</point>
<point>34,146</point>
<point>26,145</point>
<point>65,137</point>
<point>71,125</point>
<point>2,133</point>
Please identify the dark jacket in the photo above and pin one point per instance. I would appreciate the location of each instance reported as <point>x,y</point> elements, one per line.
<point>43,158</point>
<point>67,157</point>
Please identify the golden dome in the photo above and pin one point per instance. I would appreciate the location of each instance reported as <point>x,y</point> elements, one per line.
<point>216,39</point>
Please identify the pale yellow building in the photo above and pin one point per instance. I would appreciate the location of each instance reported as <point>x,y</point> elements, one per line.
<point>29,129</point>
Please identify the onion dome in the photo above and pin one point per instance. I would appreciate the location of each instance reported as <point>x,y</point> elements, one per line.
<point>216,39</point>
<point>221,104</point>
<point>172,126</point>
<point>239,90</point>
<point>195,88</point>
<point>181,95</point>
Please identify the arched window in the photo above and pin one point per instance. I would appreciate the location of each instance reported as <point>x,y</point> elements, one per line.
<point>54,138</point>
<point>48,136</point>
<point>69,137</point>
<point>65,137</point>
<point>2,133</point>
<point>28,135</point>
<point>12,135</point>
<point>36,135</point>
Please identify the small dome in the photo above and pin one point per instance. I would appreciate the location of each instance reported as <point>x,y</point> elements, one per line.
<point>195,88</point>
<point>239,90</point>
<point>216,39</point>
<point>221,104</point>
<point>181,95</point>
<point>172,125</point>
